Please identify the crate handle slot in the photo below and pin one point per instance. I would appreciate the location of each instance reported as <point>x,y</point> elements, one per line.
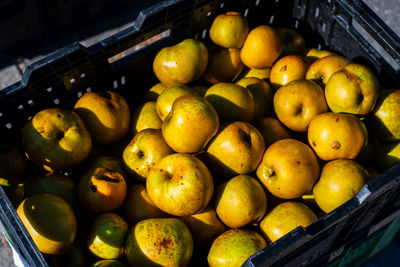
<point>127,52</point>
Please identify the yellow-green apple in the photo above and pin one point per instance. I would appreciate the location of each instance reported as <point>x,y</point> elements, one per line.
<point>145,117</point>
<point>293,43</point>
<point>204,226</point>
<point>154,92</point>
<point>353,89</point>
<point>56,139</point>
<point>138,205</point>
<point>144,151</point>
<point>272,130</point>
<point>105,114</point>
<point>322,69</point>
<point>101,189</point>
<point>167,98</point>
<point>107,236</point>
<point>335,136</point>
<point>159,242</point>
<point>190,124</point>
<point>50,222</point>
<point>229,30</point>
<point>262,94</point>
<point>232,248</point>
<point>56,184</point>
<point>223,65</point>
<point>231,101</point>
<point>386,116</point>
<point>340,181</point>
<point>297,102</point>
<point>314,54</point>
<point>284,218</point>
<point>181,63</point>
<point>180,184</point>
<point>240,201</point>
<point>287,69</point>
<point>387,155</point>
<point>261,48</point>
<point>289,169</point>
<point>236,149</point>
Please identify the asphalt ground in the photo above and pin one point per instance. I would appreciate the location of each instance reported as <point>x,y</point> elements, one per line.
<point>388,10</point>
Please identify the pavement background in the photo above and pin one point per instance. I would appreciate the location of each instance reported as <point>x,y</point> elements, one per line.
<point>388,10</point>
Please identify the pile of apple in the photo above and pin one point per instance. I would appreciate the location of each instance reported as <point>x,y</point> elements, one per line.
<point>197,161</point>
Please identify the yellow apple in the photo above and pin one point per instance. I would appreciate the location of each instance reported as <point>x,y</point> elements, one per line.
<point>181,63</point>
<point>236,149</point>
<point>144,151</point>
<point>289,169</point>
<point>180,184</point>
<point>340,181</point>
<point>190,124</point>
<point>353,89</point>
<point>322,69</point>
<point>297,102</point>
<point>287,69</point>
<point>240,201</point>
<point>145,117</point>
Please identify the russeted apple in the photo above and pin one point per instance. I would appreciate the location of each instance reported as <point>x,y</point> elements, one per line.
<point>386,116</point>
<point>240,201</point>
<point>145,149</point>
<point>289,169</point>
<point>236,149</point>
<point>297,102</point>
<point>232,248</point>
<point>159,242</point>
<point>353,89</point>
<point>284,218</point>
<point>190,124</point>
<point>335,136</point>
<point>180,184</point>
<point>340,181</point>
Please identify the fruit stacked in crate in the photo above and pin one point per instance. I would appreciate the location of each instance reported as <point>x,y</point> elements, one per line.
<point>242,141</point>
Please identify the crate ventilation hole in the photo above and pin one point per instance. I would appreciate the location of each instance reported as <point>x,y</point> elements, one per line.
<point>123,80</point>
<point>73,82</point>
<point>31,103</point>
<point>56,101</point>
<point>246,12</point>
<point>9,125</point>
<point>257,3</point>
<point>316,12</point>
<point>271,19</point>
<point>49,89</point>
<point>79,94</point>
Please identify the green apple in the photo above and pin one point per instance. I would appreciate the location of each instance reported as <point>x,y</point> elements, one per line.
<point>386,116</point>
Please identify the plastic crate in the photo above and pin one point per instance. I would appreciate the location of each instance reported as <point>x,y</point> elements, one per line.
<point>368,247</point>
<point>123,63</point>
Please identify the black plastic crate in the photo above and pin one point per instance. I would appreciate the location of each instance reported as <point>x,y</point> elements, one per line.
<point>123,63</point>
